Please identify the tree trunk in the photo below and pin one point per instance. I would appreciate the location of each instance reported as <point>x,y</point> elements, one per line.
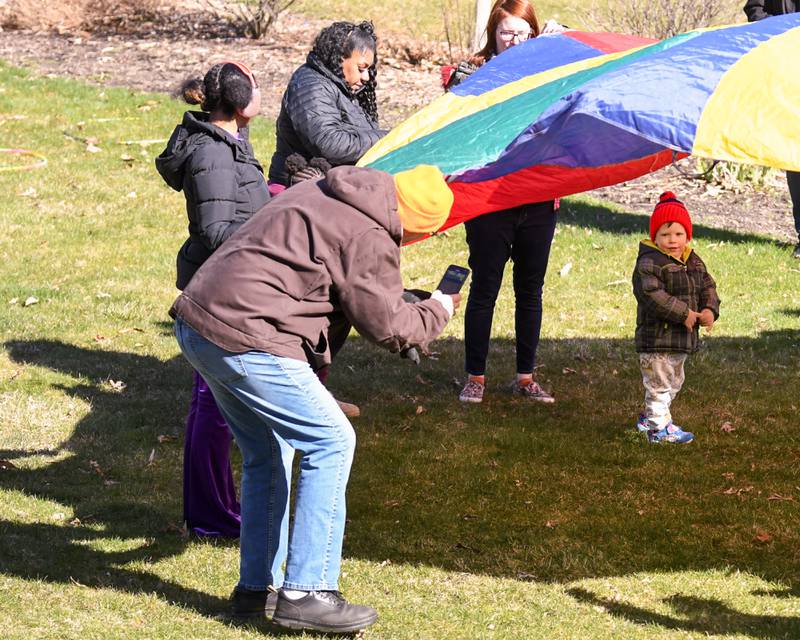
<point>482,8</point>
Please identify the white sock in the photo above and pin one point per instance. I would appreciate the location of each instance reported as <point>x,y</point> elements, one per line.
<point>293,594</point>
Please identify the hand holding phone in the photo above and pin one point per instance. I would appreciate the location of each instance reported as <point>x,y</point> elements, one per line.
<point>454,278</point>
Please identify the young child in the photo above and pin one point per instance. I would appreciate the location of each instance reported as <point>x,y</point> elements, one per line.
<point>675,295</point>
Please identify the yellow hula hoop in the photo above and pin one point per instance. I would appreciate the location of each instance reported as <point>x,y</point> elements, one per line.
<point>40,160</point>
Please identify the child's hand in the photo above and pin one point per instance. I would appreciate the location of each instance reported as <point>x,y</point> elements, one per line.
<point>691,320</point>
<point>707,318</point>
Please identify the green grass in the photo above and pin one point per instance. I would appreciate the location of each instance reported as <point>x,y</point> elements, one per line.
<point>504,520</point>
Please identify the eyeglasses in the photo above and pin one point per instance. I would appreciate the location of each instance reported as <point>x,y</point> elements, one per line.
<point>522,36</point>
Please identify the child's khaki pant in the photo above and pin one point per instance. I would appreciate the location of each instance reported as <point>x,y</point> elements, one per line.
<point>662,375</point>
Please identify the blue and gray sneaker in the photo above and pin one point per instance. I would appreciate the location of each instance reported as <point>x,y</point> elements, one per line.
<point>642,424</point>
<point>672,433</point>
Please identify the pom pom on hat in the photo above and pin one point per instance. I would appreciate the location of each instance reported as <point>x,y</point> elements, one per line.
<point>669,209</point>
<point>423,198</point>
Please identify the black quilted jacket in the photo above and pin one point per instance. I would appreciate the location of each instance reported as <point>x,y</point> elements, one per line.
<point>319,117</point>
<point>222,181</point>
<point>666,289</point>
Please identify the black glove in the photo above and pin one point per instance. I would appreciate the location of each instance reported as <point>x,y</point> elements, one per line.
<point>415,295</point>
<point>309,173</point>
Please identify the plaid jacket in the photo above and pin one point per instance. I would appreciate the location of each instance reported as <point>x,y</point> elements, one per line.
<point>666,289</point>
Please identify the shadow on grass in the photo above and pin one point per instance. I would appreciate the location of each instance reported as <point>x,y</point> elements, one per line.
<point>105,479</point>
<point>604,218</point>
<point>698,615</point>
<point>507,488</point>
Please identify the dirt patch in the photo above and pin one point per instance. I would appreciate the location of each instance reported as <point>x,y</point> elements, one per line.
<point>157,56</point>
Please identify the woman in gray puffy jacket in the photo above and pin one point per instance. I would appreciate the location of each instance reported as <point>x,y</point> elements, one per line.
<point>329,109</point>
<point>210,159</point>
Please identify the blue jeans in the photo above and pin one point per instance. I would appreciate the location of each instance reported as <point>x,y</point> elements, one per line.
<point>275,406</point>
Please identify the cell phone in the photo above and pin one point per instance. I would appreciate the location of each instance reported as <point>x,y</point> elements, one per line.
<point>454,278</point>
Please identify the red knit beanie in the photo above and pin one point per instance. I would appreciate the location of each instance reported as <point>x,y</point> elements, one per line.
<point>669,209</point>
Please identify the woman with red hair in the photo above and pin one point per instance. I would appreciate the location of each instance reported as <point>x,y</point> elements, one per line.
<point>522,234</point>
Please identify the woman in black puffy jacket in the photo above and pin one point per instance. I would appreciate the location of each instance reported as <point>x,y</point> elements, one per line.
<point>329,115</point>
<point>210,159</point>
<point>329,109</point>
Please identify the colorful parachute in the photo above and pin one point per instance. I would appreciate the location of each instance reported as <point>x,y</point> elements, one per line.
<point>571,112</point>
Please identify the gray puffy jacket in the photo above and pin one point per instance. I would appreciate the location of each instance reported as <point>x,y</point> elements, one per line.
<point>222,181</point>
<point>320,117</point>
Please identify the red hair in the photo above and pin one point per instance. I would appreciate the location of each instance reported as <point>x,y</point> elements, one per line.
<point>503,9</point>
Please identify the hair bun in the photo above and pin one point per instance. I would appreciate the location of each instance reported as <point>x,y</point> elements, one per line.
<point>667,195</point>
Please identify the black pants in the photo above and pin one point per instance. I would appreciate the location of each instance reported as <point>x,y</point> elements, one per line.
<point>523,234</point>
<point>793,179</point>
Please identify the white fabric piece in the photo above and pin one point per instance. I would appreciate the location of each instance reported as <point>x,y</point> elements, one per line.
<point>445,300</point>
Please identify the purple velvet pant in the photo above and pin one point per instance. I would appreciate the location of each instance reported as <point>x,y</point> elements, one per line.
<point>210,507</point>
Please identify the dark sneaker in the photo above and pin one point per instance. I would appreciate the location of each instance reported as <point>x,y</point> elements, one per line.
<point>472,392</point>
<point>246,604</point>
<point>796,252</point>
<point>325,611</point>
<point>533,391</point>
<point>672,433</point>
<point>642,423</point>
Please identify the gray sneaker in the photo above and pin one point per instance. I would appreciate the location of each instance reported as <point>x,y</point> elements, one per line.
<point>325,611</point>
<point>472,392</point>
<point>533,391</point>
<point>796,252</point>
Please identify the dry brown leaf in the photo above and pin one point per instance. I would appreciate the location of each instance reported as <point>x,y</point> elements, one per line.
<point>99,338</point>
<point>129,329</point>
<point>728,475</point>
<point>779,497</point>
<point>727,427</point>
<point>151,458</point>
<point>567,370</point>
<point>30,300</point>
<point>762,536</point>
<point>116,385</point>
<point>180,529</point>
<point>166,438</point>
<point>422,380</point>
<point>96,468</point>
<point>92,148</point>
<point>420,409</point>
<point>733,491</point>
<point>551,524</point>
